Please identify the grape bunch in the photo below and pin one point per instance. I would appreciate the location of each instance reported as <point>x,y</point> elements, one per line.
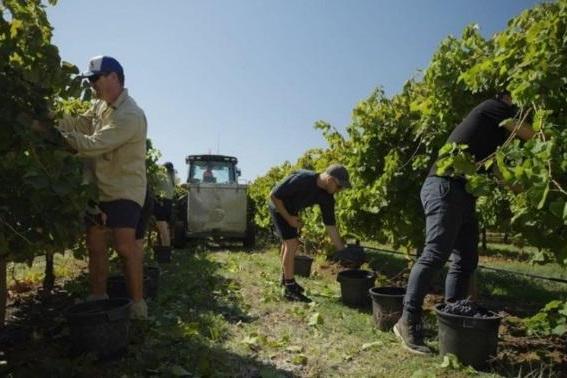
<point>352,256</point>
<point>466,307</point>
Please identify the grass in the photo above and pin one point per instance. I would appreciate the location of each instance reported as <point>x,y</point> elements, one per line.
<point>22,276</point>
<point>320,339</point>
<point>510,257</point>
<point>220,313</point>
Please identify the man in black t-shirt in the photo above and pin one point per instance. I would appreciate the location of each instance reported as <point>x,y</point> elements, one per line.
<point>298,191</point>
<point>451,224</point>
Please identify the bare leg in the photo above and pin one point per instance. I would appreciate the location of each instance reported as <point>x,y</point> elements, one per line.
<point>290,246</point>
<point>98,260</point>
<point>163,228</point>
<point>129,250</point>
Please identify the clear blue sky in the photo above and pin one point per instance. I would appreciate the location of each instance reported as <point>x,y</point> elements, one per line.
<point>250,78</point>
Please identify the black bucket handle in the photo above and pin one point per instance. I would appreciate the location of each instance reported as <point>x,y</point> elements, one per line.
<point>371,274</point>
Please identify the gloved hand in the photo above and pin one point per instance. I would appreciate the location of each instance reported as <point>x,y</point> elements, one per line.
<point>352,256</point>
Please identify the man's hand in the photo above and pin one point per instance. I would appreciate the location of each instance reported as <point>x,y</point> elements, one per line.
<point>335,237</point>
<point>51,134</point>
<point>294,221</point>
<point>523,131</point>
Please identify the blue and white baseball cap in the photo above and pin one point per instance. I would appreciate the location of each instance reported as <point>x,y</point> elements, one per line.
<point>102,64</point>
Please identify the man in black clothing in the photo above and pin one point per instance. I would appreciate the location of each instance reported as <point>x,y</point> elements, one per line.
<point>451,224</point>
<point>298,191</point>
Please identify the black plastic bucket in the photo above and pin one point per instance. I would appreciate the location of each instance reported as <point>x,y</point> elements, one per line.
<point>387,306</point>
<point>151,281</point>
<point>355,285</point>
<point>473,340</point>
<point>162,254</point>
<point>116,285</point>
<point>302,265</point>
<point>100,327</point>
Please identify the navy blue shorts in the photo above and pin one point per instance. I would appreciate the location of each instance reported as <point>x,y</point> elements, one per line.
<point>120,214</point>
<point>283,229</point>
<point>162,209</point>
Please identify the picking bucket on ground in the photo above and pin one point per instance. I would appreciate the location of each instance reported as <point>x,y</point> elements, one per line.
<point>116,286</point>
<point>162,254</point>
<point>355,284</point>
<point>474,340</point>
<point>100,327</point>
<point>387,306</point>
<point>302,265</point>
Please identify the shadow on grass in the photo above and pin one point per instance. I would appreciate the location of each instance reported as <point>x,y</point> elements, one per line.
<point>263,243</point>
<point>184,336</point>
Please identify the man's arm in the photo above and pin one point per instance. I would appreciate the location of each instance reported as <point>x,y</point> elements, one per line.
<point>335,237</point>
<point>524,131</point>
<point>82,124</point>
<point>293,221</point>
<point>108,138</point>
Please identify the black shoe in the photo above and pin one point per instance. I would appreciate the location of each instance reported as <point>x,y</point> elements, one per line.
<point>294,292</point>
<point>411,335</point>
<point>292,282</point>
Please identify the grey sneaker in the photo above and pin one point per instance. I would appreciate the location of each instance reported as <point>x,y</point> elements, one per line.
<point>139,310</point>
<point>411,335</point>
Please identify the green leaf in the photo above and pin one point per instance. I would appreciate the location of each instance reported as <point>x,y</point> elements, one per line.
<point>543,197</point>
<point>560,329</point>
<point>299,359</point>
<point>15,26</point>
<point>557,208</point>
<point>69,67</point>
<point>250,341</point>
<point>447,149</point>
<point>315,319</point>
<point>450,361</point>
<point>553,305</point>
<point>563,311</point>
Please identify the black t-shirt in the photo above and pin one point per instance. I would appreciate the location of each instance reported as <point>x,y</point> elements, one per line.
<point>480,129</point>
<point>299,191</point>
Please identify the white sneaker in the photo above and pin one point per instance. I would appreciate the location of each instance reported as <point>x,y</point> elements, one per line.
<point>139,310</point>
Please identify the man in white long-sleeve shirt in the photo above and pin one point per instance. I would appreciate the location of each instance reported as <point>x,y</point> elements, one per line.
<point>112,133</point>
